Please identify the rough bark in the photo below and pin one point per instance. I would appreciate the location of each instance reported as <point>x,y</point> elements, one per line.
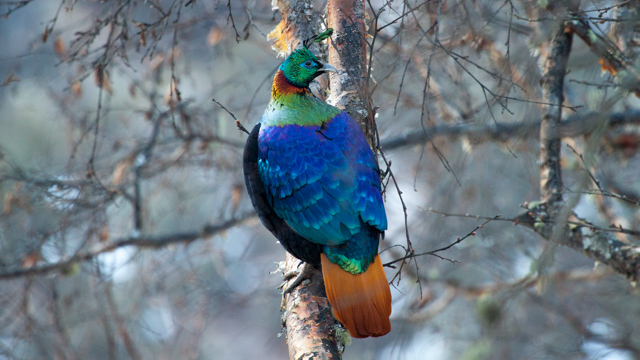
<point>553,94</point>
<point>348,53</point>
<point>299,22</point>
<point>310,327</point>
<point>599,245</point>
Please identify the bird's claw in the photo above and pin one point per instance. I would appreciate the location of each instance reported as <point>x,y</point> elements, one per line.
<point>298,276</point>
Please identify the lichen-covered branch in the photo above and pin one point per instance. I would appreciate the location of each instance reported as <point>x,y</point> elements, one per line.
<point>549,217</point>
<point>552,82</point>
<point>601,246</point>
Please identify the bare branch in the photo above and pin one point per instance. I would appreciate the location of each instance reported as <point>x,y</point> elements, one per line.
<point>153,242</point>
<point>458,241</point>
<point>233,24</point>
<point>553,93</point>
<point>573,126</point>
<point>595,243</point>
<point>610,55</point>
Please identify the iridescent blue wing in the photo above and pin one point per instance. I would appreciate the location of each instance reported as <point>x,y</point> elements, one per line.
<point>322,180</point>
<point>295,244</point>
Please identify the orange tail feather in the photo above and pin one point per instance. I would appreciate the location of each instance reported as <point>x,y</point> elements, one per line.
<point>361,302</point>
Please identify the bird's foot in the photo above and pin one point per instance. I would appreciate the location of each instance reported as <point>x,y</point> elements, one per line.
<point>293,278</point>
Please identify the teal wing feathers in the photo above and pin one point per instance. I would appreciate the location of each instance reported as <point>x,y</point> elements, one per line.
<point>322,180</point>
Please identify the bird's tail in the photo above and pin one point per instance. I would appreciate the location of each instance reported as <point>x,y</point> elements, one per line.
<point>362,302</point>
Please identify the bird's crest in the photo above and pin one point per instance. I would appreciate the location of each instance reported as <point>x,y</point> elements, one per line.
<point>302,66</point>
<point>317,38</point>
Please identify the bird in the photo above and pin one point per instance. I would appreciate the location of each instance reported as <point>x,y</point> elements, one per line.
<point>315,185</point>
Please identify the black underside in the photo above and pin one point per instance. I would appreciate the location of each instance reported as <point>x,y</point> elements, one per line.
<point>295,244</point>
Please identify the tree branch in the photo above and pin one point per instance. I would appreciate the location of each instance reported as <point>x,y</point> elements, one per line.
<point>153,242</point>
<point>311,327</point>
<point>549,218</point>
<point>611,58</point>
<point>553,93</point>
<point>596,244</point>
<point>573,126</point>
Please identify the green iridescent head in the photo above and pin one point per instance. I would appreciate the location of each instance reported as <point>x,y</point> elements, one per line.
<point>301,67</point>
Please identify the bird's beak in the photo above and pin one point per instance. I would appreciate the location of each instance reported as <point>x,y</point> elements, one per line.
<point>328,68</point>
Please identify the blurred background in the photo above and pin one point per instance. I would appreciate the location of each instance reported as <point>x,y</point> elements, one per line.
<point>126,231</point>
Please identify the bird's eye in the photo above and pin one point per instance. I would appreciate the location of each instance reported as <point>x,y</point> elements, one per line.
<point>308,63</point>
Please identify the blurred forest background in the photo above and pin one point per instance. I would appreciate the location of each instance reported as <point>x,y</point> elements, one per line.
<point>126,231</point>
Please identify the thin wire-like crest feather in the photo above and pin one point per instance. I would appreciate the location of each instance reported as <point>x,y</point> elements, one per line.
<point>317,38</point>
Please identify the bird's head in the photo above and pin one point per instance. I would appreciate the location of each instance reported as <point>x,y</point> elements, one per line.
<point>301,67</point>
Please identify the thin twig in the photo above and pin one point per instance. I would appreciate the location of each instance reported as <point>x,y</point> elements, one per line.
<point>233,24</point>
<point>458,241</point>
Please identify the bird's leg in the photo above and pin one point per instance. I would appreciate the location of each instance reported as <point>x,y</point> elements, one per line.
<point>299,275</point>
<point>304,272</point>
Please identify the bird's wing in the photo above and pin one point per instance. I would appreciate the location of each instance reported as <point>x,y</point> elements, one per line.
<point>292,242</point>
<point>322,180</point>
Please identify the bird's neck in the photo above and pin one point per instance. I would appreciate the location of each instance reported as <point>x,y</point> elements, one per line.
<point>293,105</point>
<point>282,87</point>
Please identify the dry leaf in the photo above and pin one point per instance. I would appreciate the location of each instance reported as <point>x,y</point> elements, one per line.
<point>627,143</point>
<point>9,199</point>
<point>143,37</point>
<point>30,259</point>
<point>45,34</point>
<point>236,196</point>
<point>280,39</point>
<point>59,48</point>
<point>143,32</point>
<point>104,234</point>
<point>216,35</point>
<point>102,80</point>
<point>174,55</point>
<point>156,61</point>
<point>76,88</point>
<point>121,170</point>
<point>173,91</point>
<point>607,67</point>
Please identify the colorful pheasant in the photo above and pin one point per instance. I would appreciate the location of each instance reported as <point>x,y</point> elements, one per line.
<point>315,185</point>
